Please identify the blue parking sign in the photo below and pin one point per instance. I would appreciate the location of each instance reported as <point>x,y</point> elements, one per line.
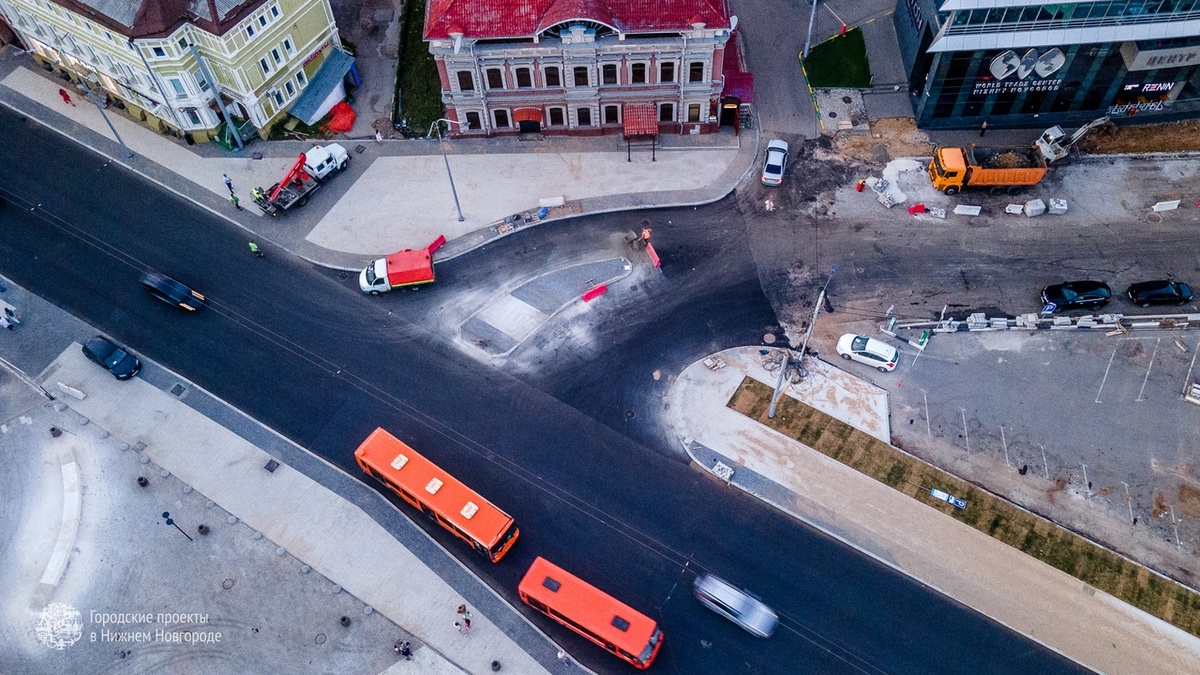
<point>1049,308</point>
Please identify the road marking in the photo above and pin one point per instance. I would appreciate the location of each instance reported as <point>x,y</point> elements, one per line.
<point>966,434</point>
<point>1150,367</point>
<point>1187,383</point>
<point>928,431</point>
<point>1110,362</point>
<point>1045,464</point>
<point>1005,444</point>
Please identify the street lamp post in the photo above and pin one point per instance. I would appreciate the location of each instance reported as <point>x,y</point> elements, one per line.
<point>803,348</point>
<point>96,97</point>
<point>437,125</point>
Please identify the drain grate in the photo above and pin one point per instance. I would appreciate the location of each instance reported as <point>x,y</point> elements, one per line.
<point>178,390</point>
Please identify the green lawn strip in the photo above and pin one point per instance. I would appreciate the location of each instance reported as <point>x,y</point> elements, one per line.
<point>986,512</point>
<point>839,62</point>
<point>417,75</point>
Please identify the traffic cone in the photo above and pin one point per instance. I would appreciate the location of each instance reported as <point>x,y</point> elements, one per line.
<point>859,186</point>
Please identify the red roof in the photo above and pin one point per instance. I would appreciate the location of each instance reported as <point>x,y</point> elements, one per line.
<point>523,18</point>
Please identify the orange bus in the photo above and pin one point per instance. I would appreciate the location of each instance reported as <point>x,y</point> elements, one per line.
<point>591,612</point>
<point>437,494</point>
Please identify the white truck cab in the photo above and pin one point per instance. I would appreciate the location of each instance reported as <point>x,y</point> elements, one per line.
<point>323,160</point>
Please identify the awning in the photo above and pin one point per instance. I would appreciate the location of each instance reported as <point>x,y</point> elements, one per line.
<point>527,115</point>
<point>641,119</point>
<point>317,98</point>
<point>739,84</point>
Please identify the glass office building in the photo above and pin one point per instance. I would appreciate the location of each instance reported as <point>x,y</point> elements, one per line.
<point>1023,64</point>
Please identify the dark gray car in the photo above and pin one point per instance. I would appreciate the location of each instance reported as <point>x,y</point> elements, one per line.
<point>112,356</point>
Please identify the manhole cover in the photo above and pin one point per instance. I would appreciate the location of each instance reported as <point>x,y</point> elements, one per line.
<point>846,99</point>
<point>227,584</point>
<point>769,339</point>
<point>320,638</point>
<point>629,414</point>
<point>832,114</point>
<point>1154,218</point>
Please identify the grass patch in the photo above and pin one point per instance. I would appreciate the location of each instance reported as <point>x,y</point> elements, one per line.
<point>985,512</point>
<point>420,95</point>
<point>839,62</point>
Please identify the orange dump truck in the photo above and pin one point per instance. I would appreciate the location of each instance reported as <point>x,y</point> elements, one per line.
<point>1000,169</point>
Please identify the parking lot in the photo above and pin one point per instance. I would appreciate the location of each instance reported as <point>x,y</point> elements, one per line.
<point>1088,429</point>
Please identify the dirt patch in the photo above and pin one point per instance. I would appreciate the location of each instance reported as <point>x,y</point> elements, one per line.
<point>888,138</point>
<point>1173,137</point>
<point>1160,505</point>
<point>1189,500</point>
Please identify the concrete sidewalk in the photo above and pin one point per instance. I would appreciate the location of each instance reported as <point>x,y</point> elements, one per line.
<point>304,514</point>
<point>397,194</point>
<point>1029,596</point>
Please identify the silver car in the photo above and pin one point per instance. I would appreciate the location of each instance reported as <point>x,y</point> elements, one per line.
<point>736,605</point>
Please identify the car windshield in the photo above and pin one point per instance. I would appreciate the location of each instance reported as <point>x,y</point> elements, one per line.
<point>859,344</point>
<point>1069,295</point>
<point>116,357</point>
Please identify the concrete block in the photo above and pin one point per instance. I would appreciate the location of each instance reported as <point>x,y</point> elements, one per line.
<point>1062,321</point>
<point>1057,207</point>
<point>1166,206</point>
<point>1035,207</point>
<point>551,202</point>
<point>1014,209</point>
<point>964,210</point>
<point>1000,323</point>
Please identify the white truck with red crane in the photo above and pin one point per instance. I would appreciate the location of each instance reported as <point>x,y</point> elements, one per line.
<point>306,176</point>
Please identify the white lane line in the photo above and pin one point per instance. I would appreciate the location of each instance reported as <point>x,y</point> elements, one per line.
<point>1187,383</point>
<point>928,431</point>
<point>966,434</point>
<point>1005,444</point>
<point>1150,367</point>
<point>1110,362</point>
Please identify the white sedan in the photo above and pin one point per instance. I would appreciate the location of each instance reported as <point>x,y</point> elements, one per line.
<point>868,350</point>
<point>776,162</point>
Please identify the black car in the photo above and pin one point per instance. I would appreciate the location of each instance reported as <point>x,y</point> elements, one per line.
<point>1078,295</point>
<point>172,292</point>
<point>109,354</point>
<point>1165,292</point>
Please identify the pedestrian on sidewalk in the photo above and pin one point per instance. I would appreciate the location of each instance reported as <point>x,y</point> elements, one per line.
<point>255,250</point>
<point>12,316</point>
<point>459,627</point>
<point>5,323</point>
<point>983,129</point>
<point>464,612</point>
<point>466,626</point>
<point>405,651</point>
<point>378,137</point>
<point>65,96</point>
<point>228,182</point>
<point>235,201</point>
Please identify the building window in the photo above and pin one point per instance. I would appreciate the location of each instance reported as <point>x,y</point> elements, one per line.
<point>637,73</point>
<point>696,71</point>
<point>611,114</point>
<point>465,81</point>
<point>275,11</point>
<point>201,80</point>
<point>291,88</point>
<point>523,78</point>
<point>556,117</point>
<point>177,85</point>
<point>288,46</point>
<point>581,76</point>
<point>501,117</point>
<point>495,78</point>
<point>608,73</point>
<point>694,112</point>
<point>666,72</point>
<point>666,112</point>
<point>183,46</point>
<point>193,117</point>
<point>249,31</point>
<point>301,79</point>
<point>276,55</point>
<point>262,20</point>
<point>474,121</point>
<point>266,67</point>
<point>552,79</point>
<point>584,117</point>
<point>158,51</point>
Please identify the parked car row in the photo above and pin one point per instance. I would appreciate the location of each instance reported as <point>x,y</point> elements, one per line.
<point>1093,295</point>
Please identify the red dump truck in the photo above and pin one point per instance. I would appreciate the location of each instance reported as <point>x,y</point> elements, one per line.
<point>1002,170</point>
<point>402,268</point>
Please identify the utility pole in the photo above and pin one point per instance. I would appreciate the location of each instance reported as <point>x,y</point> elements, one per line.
<point>803,348</point>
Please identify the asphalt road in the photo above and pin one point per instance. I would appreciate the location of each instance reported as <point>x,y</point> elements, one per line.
<point>323,365</point>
